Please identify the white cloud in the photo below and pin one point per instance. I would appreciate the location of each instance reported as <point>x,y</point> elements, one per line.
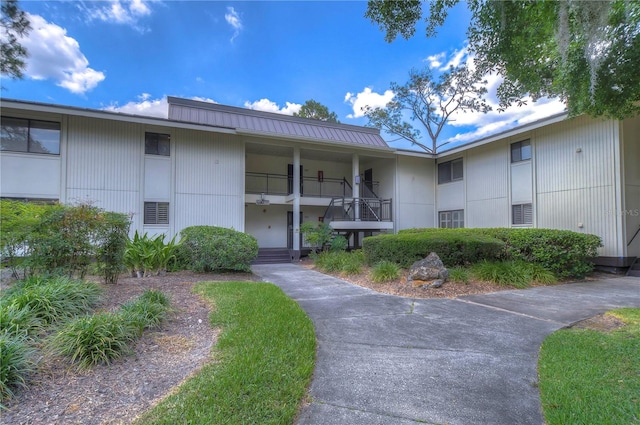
<point>147,106</point>
<point>456,58</point>
<point>365,98</point>
<point>122,12</point>
<point>233,19</point>
<point>54,55</point>
<point>267,105</point>
<point>435,61</point>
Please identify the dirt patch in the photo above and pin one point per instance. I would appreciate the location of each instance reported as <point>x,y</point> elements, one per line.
<point>119,392</point>
<point>602,322</point>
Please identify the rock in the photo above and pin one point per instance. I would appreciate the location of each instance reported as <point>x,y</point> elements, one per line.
<point>436,283</point>
<point>430,268</point>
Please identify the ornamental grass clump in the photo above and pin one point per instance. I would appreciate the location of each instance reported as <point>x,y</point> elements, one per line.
<point>517,274</point>
<point>148,311</point>
<point>385,271</point>
<point>96,339</point>
<point>15,363</point>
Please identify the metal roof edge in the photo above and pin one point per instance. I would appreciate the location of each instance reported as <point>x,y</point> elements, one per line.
<point>172,100</point>
<point>118,116</point>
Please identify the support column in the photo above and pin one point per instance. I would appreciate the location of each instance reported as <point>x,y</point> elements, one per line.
<point>296,204</point>
<point>355,172</point>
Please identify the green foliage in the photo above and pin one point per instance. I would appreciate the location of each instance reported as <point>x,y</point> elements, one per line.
<point>340,262</point>
<point>318,235</point>
<point>50,299</point>
<point>63,240</point>
<point>144,255</point>
<point>15,363</point>
<point>15,25</point>
<point>460,275</point>
<point>149,310</point>
<point>17,320</point>
<point>517,274</point>
<point>317,111</point>
<point>384,271</point>
<point>210,248</point>
<point>95,339</point>
<point>264,361</point>
<point>430,102</point>
<point>591,377</point>
<point>453,246</point>
<point>339,243</point>
<point>585,52</point>
<point>353,263</point>
<point>563,252</point>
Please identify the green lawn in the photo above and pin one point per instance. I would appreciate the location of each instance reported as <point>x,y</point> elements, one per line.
<point>592,377</point>
<point>263,361</point>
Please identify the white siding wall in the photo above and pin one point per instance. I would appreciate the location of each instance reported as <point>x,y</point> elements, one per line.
<point>576,179</point>
<point>103,165</point>
<point>384,174</point>
<point>157,178</point>
<point>487,186</point>
<point>268,223</point>
<point>631,210</point>
<point>209,180</point>
<point>29,175</point>
<point>414,198</point>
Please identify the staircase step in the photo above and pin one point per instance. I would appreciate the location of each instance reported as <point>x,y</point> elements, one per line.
<point>634,272</point>
<point>273,256</point>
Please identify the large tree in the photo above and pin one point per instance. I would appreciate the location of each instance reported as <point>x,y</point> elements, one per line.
<point>585,52</point>
<point>316,111</point>
<point>15,25</point>
<point>431,103</point>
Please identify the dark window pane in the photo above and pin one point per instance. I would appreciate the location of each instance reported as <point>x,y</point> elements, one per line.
<point>456,169</point>
<point>444,172</point>
<point>15,133</point>
<point>157,144</point>
<point>515,152</point>
<point>45,137</point>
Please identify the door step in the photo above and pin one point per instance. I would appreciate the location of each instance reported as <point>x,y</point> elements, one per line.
<point>273,256</point>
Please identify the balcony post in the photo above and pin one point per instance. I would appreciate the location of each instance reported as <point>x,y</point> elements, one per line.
<point>296,203</point>
<point>355,168</point>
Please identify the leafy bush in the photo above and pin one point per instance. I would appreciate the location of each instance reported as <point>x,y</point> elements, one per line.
<point>563,252</point>
<point>63,240</point>
<point>210,248</point>
<point>339,243</point>
<point>385,271</point>
<point>144,255</point>
<point>92,340</point>
<point>15,363</point>
<point>353,263</point>
<point>329,261</point>
<point>453,247</point>
<point>52,299</point>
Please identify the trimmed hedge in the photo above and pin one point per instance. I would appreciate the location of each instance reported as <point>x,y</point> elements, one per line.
<point>453,247</point>
<point>210,248</point>
<point>563,252</point>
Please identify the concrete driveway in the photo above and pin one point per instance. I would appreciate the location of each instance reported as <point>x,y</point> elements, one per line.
<point>384,359</point>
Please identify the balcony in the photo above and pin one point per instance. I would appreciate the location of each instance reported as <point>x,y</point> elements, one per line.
<point>282,184</point>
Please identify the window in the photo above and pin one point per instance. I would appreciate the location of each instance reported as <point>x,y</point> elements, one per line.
<point>450,171</point>
<point>157,144</point>
<point>522,214</point>
<point>451,219</point>
<point>23,135</point>
<point>521,151</point>
<point>156,213</point>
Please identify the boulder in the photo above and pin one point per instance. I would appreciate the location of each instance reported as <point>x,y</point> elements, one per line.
<point>430,268</point>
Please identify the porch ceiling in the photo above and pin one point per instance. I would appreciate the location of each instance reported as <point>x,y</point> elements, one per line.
<point>287,152</point>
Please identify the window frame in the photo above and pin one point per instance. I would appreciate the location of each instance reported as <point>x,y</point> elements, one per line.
<point>517,147</point>
<point>450,220</point>
<point>156,221</point>
<point>29,127</point>
<point>446,170</point>
<point>155,137</point>
<point>522,214</point>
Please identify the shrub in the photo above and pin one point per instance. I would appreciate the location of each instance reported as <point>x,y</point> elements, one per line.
<point>144,255</point>
<point>15,364</point>
<point>353,263</point>
<point>339,243</point>
<point>52,299</point>
<point>92,340</point>
<point>210,248</point>
<point>330,261</point>
<point>453,247</point>
<point>512,273</point>
<point>563,252</point>
<point>385,271</point>
<point>113,236</point>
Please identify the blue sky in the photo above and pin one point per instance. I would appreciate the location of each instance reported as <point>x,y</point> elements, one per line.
<point>128,56</point>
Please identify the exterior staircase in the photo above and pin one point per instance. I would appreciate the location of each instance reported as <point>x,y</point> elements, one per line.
<point>273,256</point>
<point>634,270</point>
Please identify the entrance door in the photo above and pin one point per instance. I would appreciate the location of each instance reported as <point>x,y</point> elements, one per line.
<point>290,179</point>
<point>368,184</point>
<point>290,229</point>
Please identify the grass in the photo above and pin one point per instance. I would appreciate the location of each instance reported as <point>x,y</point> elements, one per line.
<point>385,271</point>
<point>459,275</point>
<point>15,364</point>
<point>592,377</point>
<point>517,274</point>
<point>263,364</point>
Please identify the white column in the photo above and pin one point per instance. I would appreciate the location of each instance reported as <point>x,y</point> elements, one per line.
<point>296,202</point>
<point>355,172</point>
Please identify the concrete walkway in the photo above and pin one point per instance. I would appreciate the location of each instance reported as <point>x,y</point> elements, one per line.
<point>385,359</point>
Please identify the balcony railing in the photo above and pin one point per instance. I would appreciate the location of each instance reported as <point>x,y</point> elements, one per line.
<point>358,209</point>
<point>282,184</point>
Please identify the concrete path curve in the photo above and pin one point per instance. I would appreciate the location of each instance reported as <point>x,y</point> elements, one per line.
<point>384,359</point>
